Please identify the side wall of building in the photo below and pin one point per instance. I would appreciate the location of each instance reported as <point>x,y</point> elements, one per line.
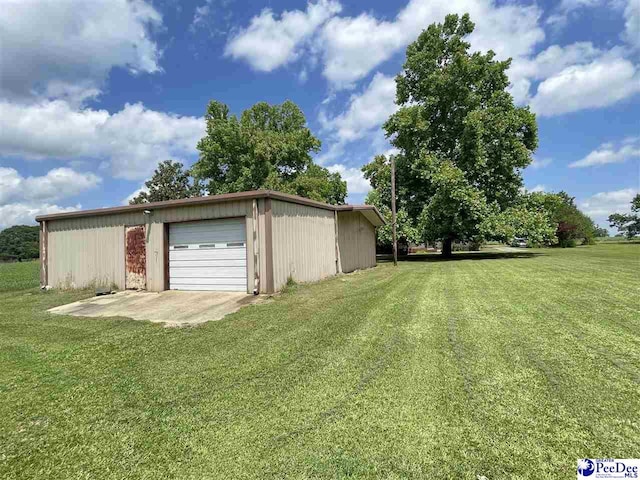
<point>88,251</point>
<point>303,243</point>
<point>357,241</point>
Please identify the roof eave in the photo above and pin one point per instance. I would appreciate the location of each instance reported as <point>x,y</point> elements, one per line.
<point>225,197</point>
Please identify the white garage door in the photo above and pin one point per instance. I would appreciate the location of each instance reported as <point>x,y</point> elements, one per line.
<point>208,255</point>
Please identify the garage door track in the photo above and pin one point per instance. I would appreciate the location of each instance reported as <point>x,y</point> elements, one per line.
<point>174,308</point>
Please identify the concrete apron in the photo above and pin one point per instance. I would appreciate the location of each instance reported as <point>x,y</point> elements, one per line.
<point>174,308</point>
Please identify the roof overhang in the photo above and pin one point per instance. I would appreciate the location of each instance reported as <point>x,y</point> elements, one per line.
<point>370,212</point>
<point>225,197</point>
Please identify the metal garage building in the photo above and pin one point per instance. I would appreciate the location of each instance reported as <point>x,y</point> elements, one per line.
<point>247,241</point>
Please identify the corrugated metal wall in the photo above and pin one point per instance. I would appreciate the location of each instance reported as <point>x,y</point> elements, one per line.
<point>357,241</point>
<point>89,251</point>
<point>86,257</point>
<point>303,243</point>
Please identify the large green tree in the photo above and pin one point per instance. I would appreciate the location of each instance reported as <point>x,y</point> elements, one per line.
<point>628,224</point>
<point>462,141</point>
<point>169,182</point>
<point>269,146</point>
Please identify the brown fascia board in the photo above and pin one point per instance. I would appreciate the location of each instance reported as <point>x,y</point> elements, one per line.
<point>225,197</point>
<point>360,208</point>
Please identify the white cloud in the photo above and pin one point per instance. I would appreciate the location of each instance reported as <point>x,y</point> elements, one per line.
<point>353,46</point>
<point>356,183</point>
<point>66,48</point>
<point>134,194</point>
<point>26,213</point>
<point>538,188</point>
<point>367,110</point>
<point>131,141</point>
<point>363,117</point>
<point>539,163</point>
<point>603,204</point>
<point>609,153</point>
<point>269,42</point>
<point>56,184</point>
<point>601,83</point>
<point>632,23</point>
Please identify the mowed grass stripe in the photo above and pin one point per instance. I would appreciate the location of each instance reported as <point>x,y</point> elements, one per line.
<point>503,367</point>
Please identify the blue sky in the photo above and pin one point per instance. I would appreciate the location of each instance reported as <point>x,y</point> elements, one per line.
<point>94,94</point>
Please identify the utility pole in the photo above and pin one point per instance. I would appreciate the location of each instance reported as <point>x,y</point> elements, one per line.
<point>393,210</point>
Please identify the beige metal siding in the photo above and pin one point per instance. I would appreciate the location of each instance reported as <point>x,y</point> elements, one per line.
<point>86,257</point>
<point>90,250</point>
<point>357,240</point>
<point>303,243</point>
<point>155,257</point>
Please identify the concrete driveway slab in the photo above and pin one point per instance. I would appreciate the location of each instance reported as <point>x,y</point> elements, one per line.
<point>174,308</point>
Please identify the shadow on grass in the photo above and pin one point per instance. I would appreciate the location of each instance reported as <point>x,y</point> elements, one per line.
<point>436,257</point>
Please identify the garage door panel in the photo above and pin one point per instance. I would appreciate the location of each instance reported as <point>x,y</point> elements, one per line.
<point>217,272</point>
<point>213,231</point>
<point>221,262</point>
<point>214,288</point>
<point>208,255</point>
<point>196,237</point>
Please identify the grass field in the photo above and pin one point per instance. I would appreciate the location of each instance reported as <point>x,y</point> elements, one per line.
<point>503,365</point>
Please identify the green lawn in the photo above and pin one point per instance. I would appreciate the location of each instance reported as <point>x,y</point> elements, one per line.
<point>508,367</point>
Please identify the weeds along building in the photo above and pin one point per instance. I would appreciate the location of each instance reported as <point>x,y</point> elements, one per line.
<point>248,241</point>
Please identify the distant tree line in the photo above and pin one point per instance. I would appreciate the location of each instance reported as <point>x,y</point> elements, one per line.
<point>20,242</point>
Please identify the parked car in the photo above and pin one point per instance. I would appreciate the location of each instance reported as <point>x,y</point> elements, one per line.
<point>519,242</point>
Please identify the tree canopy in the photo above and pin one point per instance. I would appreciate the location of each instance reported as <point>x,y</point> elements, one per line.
<point>20,242</point>
<point>462,141</point>
<point>269,146</point>
<point>628,224</point>
<point>168,182</point>
<point>570,225</point>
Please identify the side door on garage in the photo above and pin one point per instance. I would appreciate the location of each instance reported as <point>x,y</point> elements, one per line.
<point>208,255</point>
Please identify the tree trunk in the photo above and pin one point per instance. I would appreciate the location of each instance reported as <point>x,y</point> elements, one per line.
<point>446,247</point>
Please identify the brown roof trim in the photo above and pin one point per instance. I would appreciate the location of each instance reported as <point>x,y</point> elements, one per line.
<point>360,208</point>
<point>225,197</point>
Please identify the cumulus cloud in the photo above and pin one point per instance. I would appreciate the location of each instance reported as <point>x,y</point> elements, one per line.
<point>538,188</point>
<point>65,49</point>
<point>269,42</point>
<point>356,183</point>
<point>353,46</point>
<point>23,198</point>
<point>611,153</point>
<point>26,213</point>
<point>366,111</point>
<point>56,184</point>
<point>131,141</point>
<point>603,204</point>
<point>600,83</point>
<point>632,23</point>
